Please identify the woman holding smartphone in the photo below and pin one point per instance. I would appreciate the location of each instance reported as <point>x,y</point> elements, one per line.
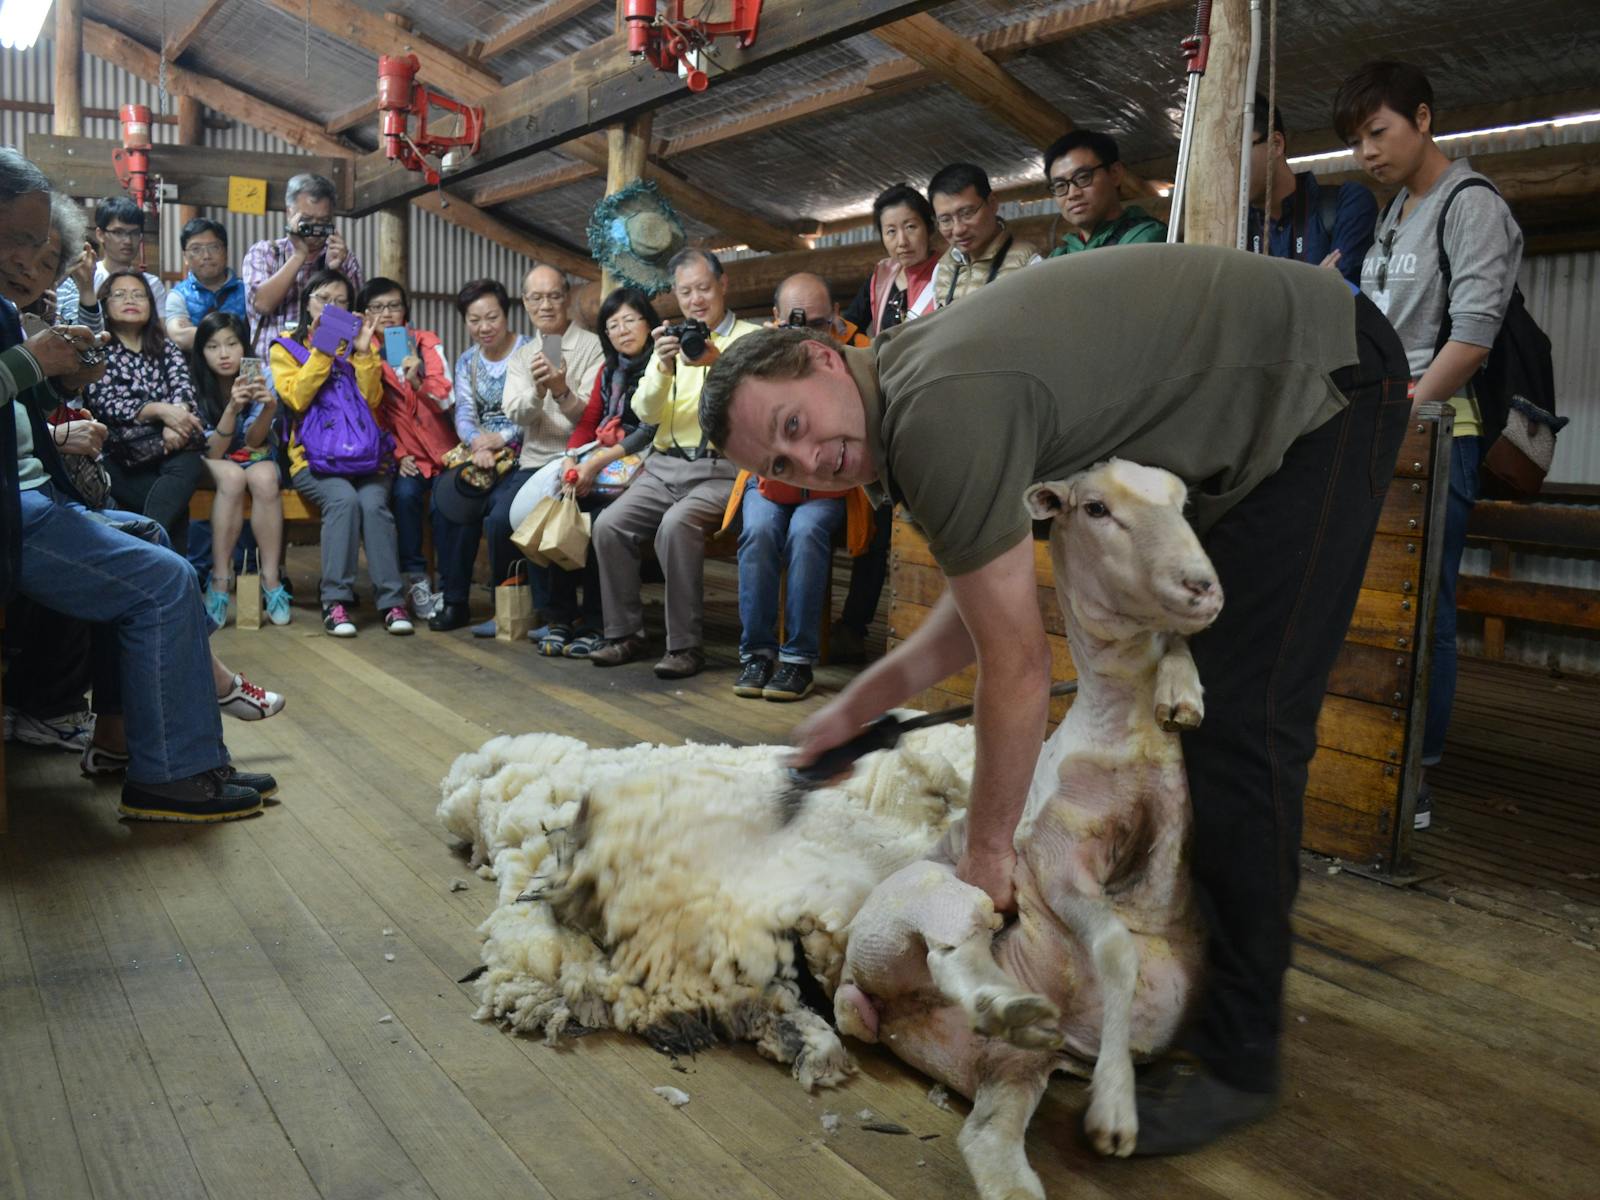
<point>238,410</point>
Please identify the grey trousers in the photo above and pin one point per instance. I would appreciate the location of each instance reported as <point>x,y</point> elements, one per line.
<point>677,503</point>
<point>354,511</point>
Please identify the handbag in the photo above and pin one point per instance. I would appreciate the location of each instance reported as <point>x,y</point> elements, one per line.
<point>86,472</point>
<point>513,606</point>
<point>528,534</point>
<point>565,538</point>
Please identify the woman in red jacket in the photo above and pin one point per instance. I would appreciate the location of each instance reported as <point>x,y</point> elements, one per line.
<point>418,411</point>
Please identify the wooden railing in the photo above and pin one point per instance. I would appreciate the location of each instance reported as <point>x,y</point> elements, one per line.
<point>1563,523</point>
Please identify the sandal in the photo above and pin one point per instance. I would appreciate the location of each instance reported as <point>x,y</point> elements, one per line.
<point>554,643</point>
<point>585,643</point>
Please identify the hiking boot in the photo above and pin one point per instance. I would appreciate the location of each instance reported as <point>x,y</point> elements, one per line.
<point>791,682</point>
<point>617,651</point>
<point>258,782</point>
<point>70,732</point>
<point>755,673</point>
<point>1183,1106</point>
<point>680,664</point>
<point>247,702</point>
<point>276,602</point>
<point>398,621</point>
<point>449,616</point>
<point>208,796</point>
<point>336,620</point>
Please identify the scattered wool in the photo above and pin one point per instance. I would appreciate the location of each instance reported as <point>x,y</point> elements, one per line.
<point>676,1097</point>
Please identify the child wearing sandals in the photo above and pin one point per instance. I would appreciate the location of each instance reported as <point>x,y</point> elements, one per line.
<point>238,414</point>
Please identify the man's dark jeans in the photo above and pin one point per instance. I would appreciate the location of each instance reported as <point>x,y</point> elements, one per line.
<point>1290,557</point>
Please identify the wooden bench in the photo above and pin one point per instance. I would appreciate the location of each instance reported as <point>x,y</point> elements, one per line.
<point>1555,530</point>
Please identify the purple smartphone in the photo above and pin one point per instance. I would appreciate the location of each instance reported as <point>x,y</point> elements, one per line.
<point>336,325</point>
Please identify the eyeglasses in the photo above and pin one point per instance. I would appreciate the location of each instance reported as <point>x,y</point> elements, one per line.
<point>205,250</point>
<point>541,297</point>
<point>328,297</point>
<point>620,324</point>
<point>386,306</point>
<point>1060,185</point>
<point>1383,267</point>
<point>122,294</point>
<point>962,216</point>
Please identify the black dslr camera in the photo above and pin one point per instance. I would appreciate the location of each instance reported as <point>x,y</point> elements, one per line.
<point>797,318</point>
<point>309,227</point>
<point>693,337</point>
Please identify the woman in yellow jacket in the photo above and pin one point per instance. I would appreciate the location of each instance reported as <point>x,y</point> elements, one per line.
<point>349,486</point>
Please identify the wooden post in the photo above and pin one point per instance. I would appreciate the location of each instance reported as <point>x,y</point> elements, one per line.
<point>69,68</point>
<point>1211,204</point>
<point>191,132</point>
<point>627,147</point>
<point>394,242</point>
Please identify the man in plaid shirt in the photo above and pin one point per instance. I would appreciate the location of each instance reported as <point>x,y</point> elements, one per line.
<point>275,272</point>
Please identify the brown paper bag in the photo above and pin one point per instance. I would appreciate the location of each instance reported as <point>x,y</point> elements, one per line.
<point>247,596</point>
<point>565,540</point>
<point>513,607</point>
<point>526,537</point>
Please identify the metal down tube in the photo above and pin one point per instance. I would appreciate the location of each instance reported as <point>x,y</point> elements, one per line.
<point>1252,71</point>
<point>1195,50</point>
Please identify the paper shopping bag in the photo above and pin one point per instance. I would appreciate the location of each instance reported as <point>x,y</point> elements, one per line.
<point>526,538</point>
<point>247,596</point>
<point>513,607</point>
<point>565,540</point>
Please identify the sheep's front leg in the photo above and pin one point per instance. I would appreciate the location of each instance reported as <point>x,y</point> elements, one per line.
<point>1179,698</point>
<point>804,1040</point>
<point>998,1006</point>
<point>1112,1121</point>
<point>992,1139</point>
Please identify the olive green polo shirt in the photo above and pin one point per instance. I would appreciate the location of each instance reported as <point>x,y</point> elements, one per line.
<point>1206,361</point>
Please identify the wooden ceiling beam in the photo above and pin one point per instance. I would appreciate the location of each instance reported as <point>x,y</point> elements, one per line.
<point>114,46</point>
<point>525,29</point>
<point>350,23</point>
<point>463,213</point>
<point>351,117</point>
<point>545,181</point>
<point>958,62</point>
<point>185,37</point>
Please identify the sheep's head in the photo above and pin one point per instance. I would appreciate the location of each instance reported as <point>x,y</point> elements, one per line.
<point>1125,557</point>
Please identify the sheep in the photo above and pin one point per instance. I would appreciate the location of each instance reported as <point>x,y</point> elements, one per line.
<point>652,890</point>
<point>1106,951</point>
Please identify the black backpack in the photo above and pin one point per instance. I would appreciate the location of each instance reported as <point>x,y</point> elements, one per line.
<point>1515,388</point>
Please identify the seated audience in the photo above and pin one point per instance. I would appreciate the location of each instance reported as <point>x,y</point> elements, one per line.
<point>967,213</point>
<point>1385,113</point>
<point>351,492</point>
<point>240,455</point>
<point>546,397</point>
<point>210,286</point>
<point>119,226</point>
<point>626,318</point>
<point>418,412</point>
<point>155,439</point>
<point>681,492</point>
<point>276,271</point>
<point>494,439</point>
<point>900,287</point>
<point>90,568</point>
<point>1316,223</point>
<point>1085,174</point>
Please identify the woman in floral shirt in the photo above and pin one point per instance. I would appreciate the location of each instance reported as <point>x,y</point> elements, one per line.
<point>155,439</point>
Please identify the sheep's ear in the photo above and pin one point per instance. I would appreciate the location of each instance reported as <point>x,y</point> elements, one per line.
<point>1046,501</point>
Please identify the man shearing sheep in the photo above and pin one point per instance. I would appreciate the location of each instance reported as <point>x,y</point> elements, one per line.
<point>1279,398</point>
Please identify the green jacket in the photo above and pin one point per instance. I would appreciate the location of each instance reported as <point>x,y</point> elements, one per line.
<point>1133,226</point>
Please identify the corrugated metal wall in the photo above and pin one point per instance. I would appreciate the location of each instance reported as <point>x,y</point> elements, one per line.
<point>443,257</point>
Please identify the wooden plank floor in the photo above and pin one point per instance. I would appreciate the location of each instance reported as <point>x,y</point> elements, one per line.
<point>216,1012</point>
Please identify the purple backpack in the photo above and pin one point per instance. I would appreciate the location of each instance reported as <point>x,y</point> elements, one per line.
<point>338,433</point>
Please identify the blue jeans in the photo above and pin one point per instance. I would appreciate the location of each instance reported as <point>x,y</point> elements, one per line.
<point>408,500</point>
<point>1466,455</point>
<point>80,564</point>
<point>771,533</point>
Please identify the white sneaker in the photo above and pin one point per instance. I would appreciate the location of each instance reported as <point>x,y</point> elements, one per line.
<point>71,732</point>
<point>248,702</point>
<point>420,596</point>
<point>397,621</point>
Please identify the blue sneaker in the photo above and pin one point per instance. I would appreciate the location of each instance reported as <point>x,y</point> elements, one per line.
<point>486,630</point>
<point>276,601</point>
<point>216,607</point>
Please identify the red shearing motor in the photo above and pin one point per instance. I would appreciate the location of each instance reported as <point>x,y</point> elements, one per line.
<point>400,97</point>
<point>675,42</point>
<point>131,160</point>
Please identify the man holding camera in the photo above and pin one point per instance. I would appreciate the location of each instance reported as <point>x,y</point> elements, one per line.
<point>276,271</point>
<point>681,492</point>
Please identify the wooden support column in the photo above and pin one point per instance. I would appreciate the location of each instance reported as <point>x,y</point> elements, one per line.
<point>1212,204</point>
<point>394,241</point>
<point>191,132</point>
<point>69,68</point>
<point>627,146</point>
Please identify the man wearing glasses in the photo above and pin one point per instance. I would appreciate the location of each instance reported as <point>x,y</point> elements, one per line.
<point>1084,171</point>
<point>119,228</point>
<point>210,286</point>
<point>981,248</point>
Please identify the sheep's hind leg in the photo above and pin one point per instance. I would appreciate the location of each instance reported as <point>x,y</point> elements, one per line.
<point>992,1139</point>
<point>998,1006</point>
<point>1112,1121</point>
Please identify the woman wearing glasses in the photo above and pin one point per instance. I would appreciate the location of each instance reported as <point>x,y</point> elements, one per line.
<point>155,438</point>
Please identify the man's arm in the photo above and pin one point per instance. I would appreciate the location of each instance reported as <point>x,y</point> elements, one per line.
<point>180,330</point>
<point>1355,224</point>
<point>266,289</point>
<point>999,605</point>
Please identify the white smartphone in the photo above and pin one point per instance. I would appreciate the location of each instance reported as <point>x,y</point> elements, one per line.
<point>550,344</point>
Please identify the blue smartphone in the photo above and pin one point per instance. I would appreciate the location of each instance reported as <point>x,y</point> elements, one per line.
<point>396,346</point>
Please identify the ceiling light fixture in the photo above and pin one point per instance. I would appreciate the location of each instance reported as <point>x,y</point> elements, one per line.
<point>21,21</point>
